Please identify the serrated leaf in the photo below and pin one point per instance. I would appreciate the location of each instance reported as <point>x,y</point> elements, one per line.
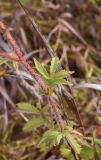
<point>61,81</point>
<point>66,153</point>
<point>53,82</point>
<point>33,124</point>
<point>74,143</point>
<point>76,146</point>
<point>51,138</point>
<point>87,153</point>
<point>41,69</point>
<point>28,108</point>
<point>63,74</point>
<point>54,64</point>
<point>47,81</point>
<point>80,138</point>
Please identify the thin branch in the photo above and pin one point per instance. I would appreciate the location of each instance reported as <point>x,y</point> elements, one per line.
<point>4,55</point>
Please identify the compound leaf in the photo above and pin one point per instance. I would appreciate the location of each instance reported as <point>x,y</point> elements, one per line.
<point>33,124</point>
<point>63,74</point>
<point>41,69</point>
<point>28,108</point>
<point>54,64</point>
<point>51,138</point>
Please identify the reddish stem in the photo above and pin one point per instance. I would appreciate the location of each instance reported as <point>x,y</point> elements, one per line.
<point>55,110</point>
<point>27,66</point>
<point>4,55</point>
<point>33,73</point>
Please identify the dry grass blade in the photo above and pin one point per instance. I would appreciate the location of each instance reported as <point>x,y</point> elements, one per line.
<point>8,99</point>
<point>88,85</point>
<point>47,46</point>
<point>71,28</point>
<point>5,125</point>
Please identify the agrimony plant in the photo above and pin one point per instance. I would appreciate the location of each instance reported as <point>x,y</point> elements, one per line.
<point>54,77</point>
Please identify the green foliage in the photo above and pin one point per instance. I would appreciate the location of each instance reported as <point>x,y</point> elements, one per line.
<point>3,60</point>
<point>53,78</point>
<point>73,141</point>
<point>51,138</point>
<point>7,134</point>
<point>41,69</point>
<point>25,1</point>
<point>28,108</point>
<point>62,74</point>
<point>97,140</point>
<point>54,64</point>
<point>33,124</point>
<point>87,153</point>
<point>66,153</point>
<point>99,151</point>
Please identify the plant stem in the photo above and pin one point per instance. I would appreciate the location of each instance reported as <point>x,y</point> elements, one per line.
<point>4,55</point>
<point>33,73</point>
<point>55,110</point>
<point>23,61</point>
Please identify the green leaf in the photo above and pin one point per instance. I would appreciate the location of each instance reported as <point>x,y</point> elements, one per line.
<point>66,153</point>
<point>51,138</point>
<point>52,82</point>
<point>87,153</point>
<point>63,74</point>
<point>75,144</point>
<point>33,124</point>
<point>41,69</point>
<point>9,131</point>
<point>46,81</point>
<point>49,82</point>
<point>28,108</point>
<point>54,64</point>
<point>61,81</point>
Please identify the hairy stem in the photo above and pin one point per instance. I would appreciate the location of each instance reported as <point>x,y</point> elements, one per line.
<point>55,110</point>
<point>4,55</point>
<point>33,73</point>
